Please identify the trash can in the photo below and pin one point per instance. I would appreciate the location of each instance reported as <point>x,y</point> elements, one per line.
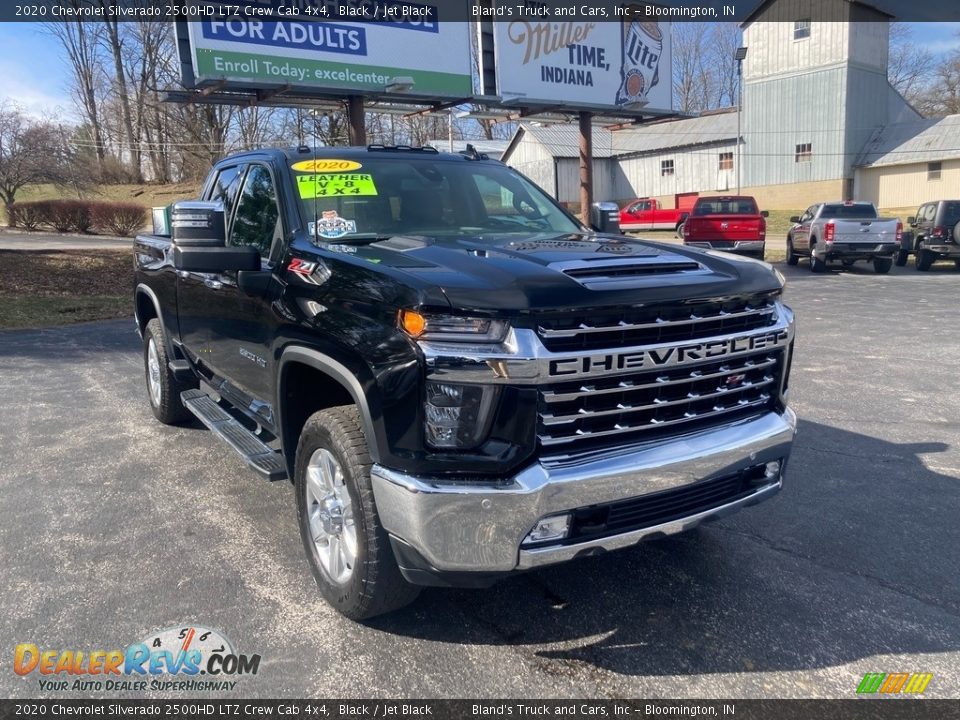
<point>605,217</point>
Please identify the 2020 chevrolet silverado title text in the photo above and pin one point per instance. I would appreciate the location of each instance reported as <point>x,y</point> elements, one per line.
<point>461,380</point>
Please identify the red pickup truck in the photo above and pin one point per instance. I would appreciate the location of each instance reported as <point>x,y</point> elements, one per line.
<point>649,214</point>
<point>730,223</point>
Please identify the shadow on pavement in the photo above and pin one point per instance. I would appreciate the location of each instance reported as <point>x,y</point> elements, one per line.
<point>855,557</point>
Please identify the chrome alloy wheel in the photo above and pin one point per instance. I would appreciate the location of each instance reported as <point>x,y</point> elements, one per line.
<point>330,514</point>
<point>153,372</point>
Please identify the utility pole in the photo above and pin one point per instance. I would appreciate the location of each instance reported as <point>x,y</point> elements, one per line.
<point>739,55</point>
<point>586,165</point>
<point>357,131</point>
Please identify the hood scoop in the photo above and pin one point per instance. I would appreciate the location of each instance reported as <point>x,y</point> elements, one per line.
<point>602,274</point>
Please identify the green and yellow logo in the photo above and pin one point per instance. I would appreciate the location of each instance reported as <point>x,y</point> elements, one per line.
<point>894,683</point>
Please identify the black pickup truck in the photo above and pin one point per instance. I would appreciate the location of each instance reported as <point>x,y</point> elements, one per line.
<point>461,380</point>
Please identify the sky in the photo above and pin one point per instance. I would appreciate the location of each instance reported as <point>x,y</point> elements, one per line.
<point>34,72</point>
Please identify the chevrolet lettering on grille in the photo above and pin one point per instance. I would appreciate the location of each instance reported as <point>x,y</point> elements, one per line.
<point>667,356</point>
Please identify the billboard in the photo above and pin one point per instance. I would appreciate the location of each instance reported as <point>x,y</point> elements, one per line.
<point>604,65</point>
<point>339,57</point>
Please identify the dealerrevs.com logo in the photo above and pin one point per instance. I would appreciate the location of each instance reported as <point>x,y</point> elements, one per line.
<point>184,658</point>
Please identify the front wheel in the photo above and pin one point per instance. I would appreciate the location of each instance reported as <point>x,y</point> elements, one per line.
<point>882,266</point>
<point>163,388</point>
<point>348,549</point>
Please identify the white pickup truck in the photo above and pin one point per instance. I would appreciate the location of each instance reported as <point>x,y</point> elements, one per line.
<point>847,231</point>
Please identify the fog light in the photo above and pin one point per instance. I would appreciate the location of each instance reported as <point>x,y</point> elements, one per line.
<point>555,527</point>
<point>772,470</point>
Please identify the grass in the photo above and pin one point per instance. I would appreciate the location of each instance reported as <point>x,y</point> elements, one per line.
<point>147,195</point>
<point>41,288</point>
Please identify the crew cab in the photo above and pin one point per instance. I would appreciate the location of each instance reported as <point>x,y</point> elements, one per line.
<point>730,223</point>
<point>649,214</point>
<point>460,379</point>
<point>934,235</point>
<point>847,231</point>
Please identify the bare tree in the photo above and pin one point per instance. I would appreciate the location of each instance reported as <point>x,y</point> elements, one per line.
<point>31,152</point>
<point>723,41</point>
<point>909,64</point>
<point>693,81</point>
<point>942,94</point>
<point>80,41</point>
<point>115,44</point>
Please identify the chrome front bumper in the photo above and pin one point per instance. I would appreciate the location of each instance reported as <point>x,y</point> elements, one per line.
<point>478,526</point>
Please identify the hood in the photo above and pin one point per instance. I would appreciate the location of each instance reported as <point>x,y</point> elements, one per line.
<point>507,274</point>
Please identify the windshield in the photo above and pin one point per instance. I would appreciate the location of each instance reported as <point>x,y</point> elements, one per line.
<point>853,210</point>
<point>344,200</point>
<point>725,206</point>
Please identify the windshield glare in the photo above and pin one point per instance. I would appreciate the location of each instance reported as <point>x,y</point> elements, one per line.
<point>422,196</point>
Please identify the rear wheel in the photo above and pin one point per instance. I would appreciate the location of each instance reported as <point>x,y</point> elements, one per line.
<point>923,259</point>
<point>679,230</point>
<point>163,389</point>
<point>882,266</point>
<point>816,264</point>
<point>348,549</point>
<point>902,256</point>
<point>792,257</point>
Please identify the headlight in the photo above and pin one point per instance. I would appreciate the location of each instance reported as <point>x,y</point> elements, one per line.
<point>458,416</point>
<point>451,328</point>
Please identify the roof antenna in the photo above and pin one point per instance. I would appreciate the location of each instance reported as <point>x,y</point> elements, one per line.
<point>471,153</point>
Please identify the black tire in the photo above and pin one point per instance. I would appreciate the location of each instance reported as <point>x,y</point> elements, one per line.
<point>165,402</point>
<point>816,264</point>
<point>792,257</point>
<point>901,258</point>
<point>679,230</point>
<point>923,259</point>
<point>882,266</point>
<point>759,255</point>
<point>375,585</point>
<point>956,264</point>
<point>848,263</point>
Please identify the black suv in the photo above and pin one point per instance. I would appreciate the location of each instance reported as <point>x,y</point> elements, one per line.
<point>934,235</point>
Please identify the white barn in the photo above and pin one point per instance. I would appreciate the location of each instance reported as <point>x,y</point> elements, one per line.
<point>819,116</point>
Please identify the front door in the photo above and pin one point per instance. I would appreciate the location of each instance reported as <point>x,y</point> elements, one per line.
<point>240,328</point>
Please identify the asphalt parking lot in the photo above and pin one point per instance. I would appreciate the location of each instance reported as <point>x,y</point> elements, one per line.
<point>115,526</point>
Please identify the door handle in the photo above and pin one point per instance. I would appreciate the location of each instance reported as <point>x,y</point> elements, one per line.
<point>212,284</point>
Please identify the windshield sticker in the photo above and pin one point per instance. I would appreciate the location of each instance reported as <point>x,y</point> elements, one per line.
<point>325,165</point>
<point>345,184</point>
<point>330,225</point>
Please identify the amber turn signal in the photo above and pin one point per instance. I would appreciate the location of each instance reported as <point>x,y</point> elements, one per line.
<point>412,322</point>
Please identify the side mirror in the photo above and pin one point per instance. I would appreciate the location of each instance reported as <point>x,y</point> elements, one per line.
<point>911,221</point>
<point>216,259</point>
<point>255,283</point>
<point>764,213</point>
<point>198,224</point>
<point>794,218</point>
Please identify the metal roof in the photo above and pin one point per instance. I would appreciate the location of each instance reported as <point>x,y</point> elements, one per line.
<point>563,140</point>
<point>916,141</point>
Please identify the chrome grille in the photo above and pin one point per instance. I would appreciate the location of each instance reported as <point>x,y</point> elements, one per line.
<point>658,402</point>
<point>656,325</point>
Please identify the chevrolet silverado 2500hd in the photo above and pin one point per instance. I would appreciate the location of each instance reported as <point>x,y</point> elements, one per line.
<point>460,379</point>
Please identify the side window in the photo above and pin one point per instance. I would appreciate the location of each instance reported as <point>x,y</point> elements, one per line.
<point>256,221</point>
<point>225,188</point>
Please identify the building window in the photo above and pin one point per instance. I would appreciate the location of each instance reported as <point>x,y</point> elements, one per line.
<point>801,29</point>
<point>726,161</point>
<point>933,170</point>
<point>803,153</point>
<point>666,168</point>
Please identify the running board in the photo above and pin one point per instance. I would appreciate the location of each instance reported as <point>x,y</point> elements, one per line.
<point>259,457</point>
